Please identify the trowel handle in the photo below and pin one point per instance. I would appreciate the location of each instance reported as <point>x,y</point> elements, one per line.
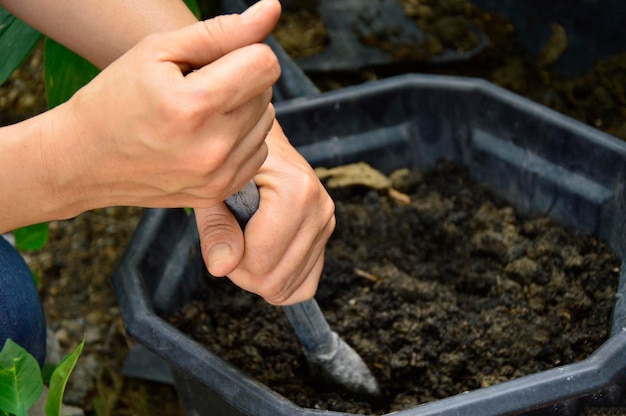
<point>245,203</point>
<point>306,318</point>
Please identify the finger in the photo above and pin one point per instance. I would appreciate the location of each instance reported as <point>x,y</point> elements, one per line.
<point>256,112</point>
<point>200,44</point>
<point>221,239</point>
<point>299,285</point>
<point>253,152</point>
<point>237,77</point>
<point>307,289</point>
<point>305,272</point>
<point>275,291</point>
<point>296,229</point>
<point>240,166</point>
<point>294,272</point>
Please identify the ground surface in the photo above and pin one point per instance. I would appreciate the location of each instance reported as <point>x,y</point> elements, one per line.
<point>74,268</point>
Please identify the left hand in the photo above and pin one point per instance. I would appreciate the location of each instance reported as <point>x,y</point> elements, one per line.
<point>280,255</point>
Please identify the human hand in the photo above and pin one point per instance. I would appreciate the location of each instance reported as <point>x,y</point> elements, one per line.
<point>280,254</point>
<point>179,120</point>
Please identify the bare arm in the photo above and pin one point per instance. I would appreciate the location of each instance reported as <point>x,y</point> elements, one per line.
<point>101,31</point>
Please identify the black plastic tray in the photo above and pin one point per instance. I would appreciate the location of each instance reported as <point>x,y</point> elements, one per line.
<point>347,20</point>
<point>538,159</point>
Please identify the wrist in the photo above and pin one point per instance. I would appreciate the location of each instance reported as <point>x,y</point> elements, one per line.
<point>30,190</point>
<point>68,148</point>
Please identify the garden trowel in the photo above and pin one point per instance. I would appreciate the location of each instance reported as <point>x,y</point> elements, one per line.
<point>329,356</point>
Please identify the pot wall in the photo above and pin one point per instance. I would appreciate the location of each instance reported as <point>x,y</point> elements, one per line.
<point>538,159</point>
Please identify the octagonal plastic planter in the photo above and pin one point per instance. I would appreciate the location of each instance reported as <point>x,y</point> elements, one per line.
<point>541,161</point>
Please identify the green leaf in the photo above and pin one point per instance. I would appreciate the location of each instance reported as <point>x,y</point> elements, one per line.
<point>193,6</point>
<point>20,379</point>
<point>46,372</point>
<point>58,381</point>
<point>31,237</point>
<point>17,39</point>
<point>64,72</point>
<point>5,19</point>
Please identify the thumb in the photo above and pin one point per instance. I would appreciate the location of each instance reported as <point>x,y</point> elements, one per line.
<point>221,239</point>
<point>200,44</point>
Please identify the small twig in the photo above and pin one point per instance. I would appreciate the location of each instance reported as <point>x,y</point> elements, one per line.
<point>366,275</point>
<point>400,197</point>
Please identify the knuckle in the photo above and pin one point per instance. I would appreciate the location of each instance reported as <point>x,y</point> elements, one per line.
<point>277,295</point>
<point>214,227</point>
<point>170,107</point>
<point>293,296</point>
<point>220,184</point>
<point>219,151</point>
<point>328,210</point>
<point>266,60</point>
<point>273,288</point>
<point>215,29</point>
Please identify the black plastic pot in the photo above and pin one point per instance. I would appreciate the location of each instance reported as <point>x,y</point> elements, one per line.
<point>540,160</point>
<point>594,29</point>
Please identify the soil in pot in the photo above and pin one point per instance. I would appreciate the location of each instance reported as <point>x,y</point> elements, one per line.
<point>439,285</point>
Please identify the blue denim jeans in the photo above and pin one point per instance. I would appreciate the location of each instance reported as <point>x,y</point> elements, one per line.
<point>21,312</point>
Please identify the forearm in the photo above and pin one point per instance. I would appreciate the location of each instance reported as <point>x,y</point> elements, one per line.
<point>101,31</point>
<point>33,173</point>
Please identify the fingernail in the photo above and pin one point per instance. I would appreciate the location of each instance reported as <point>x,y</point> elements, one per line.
<point>218,254</point>
<point>254,9</point>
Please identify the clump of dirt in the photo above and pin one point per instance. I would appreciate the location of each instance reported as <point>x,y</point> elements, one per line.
<point>447,292</point>
<point>598,98</point>
<point>301,32</point>
<point>447,22</point>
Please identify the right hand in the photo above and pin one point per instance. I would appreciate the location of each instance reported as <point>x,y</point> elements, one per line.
<point>179,120</point>
<point>280,254</point>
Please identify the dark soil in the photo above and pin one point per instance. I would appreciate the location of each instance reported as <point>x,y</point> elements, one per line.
<point>452,292</point>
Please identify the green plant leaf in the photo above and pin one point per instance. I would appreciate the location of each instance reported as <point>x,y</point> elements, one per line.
<point>64,72</point>
<point>17,39</point>
<point>46,372</point>
<point>31,237</point>
<point>193,6</point>
<point>58,381</point>
<point>20,379</point>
